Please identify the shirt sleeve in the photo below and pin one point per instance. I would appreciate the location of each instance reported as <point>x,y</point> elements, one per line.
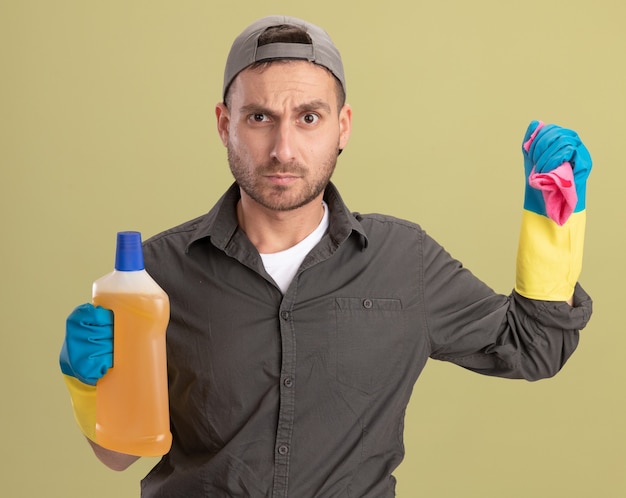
<point>494,334</point>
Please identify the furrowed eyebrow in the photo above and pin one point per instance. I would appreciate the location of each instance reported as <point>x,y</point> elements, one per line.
<point>315,105</point>
<point>254,109</point>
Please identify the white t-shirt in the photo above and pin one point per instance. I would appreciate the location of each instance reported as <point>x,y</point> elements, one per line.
<point>283,265</point>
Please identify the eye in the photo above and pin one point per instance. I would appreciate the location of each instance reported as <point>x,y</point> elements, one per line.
<point>258,117</point>
<point>310,118</point>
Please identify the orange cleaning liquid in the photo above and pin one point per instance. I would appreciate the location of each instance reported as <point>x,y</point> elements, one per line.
<point>132,408</point>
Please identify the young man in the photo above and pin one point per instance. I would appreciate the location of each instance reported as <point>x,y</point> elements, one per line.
<point>298,328</point>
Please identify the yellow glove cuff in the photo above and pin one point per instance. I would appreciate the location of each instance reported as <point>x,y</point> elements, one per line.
<point>84,405</point>
<point>549,256</point>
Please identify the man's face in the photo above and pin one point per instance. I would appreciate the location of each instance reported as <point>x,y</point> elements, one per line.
<point>283,132</point>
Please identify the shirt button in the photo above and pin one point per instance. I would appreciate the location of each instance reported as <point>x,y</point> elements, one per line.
<point>285,315</point>
<point>288,382</point>
<point>283,449</point>
<point>367,303</point>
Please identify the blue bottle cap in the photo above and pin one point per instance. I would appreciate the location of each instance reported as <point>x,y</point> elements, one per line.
<point>129,253</point>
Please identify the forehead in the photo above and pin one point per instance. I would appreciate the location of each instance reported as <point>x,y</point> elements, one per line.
<point>284,79</point>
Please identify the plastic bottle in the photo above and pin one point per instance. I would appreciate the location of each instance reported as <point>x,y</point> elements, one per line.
<point>132,407</point>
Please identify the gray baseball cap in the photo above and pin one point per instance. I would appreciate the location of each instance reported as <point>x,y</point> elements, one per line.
<point>245,50</point>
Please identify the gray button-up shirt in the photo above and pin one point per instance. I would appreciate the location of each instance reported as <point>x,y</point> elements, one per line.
<point>303,394</point>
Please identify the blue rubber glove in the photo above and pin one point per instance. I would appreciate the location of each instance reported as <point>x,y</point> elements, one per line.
<point>87,351</point>
<point>549,256</point>
<point>551,147</point>
<point>86,355</point>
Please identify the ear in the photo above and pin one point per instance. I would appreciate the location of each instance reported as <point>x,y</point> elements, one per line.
<point>345,125</point>
<point>223,121</point>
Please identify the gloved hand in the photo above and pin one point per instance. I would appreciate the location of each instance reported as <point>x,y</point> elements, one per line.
<point>549,257</point>
<point>86,355</point>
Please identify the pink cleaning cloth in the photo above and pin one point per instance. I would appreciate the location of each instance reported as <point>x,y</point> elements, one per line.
<point>557,187</point>
<point>559,191</point>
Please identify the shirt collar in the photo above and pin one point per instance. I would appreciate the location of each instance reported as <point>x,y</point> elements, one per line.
<point>220,224</point>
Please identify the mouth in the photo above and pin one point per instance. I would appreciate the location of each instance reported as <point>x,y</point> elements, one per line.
<point>282,179</point>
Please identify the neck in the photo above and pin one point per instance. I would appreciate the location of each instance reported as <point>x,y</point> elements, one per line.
<point>273,231</point>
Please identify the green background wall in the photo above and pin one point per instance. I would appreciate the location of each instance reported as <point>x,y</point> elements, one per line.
<point>107,124</point>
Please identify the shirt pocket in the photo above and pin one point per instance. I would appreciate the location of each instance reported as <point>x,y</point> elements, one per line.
<point>368,342</point>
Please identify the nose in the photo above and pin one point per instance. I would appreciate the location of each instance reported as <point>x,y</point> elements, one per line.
<point>283,146</point>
